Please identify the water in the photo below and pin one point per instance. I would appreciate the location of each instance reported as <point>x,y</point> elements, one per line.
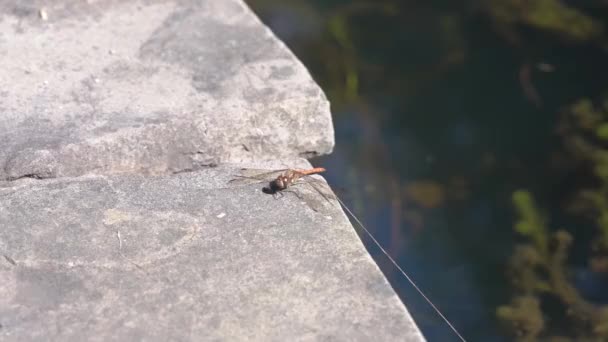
<point>441,115</point>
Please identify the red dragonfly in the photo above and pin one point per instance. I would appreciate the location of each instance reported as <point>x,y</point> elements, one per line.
<point>280,180</point>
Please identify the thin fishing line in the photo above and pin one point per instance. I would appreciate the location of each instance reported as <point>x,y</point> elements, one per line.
<point>401,270</point>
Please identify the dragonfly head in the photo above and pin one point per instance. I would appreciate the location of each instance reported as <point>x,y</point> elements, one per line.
<point>275,186</point>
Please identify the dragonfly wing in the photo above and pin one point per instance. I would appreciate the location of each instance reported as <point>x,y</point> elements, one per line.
<point>322,189</point>
<point>251,176</point>
<point>315,193</point>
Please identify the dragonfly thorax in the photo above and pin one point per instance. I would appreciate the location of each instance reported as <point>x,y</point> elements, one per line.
<point>282,182</point>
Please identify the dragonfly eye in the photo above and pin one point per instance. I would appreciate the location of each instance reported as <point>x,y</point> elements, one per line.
<point>273,187</point>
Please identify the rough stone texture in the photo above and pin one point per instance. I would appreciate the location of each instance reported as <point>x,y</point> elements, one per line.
<point>150,87</point>
<point>105,236</point>
<point>197,260</point>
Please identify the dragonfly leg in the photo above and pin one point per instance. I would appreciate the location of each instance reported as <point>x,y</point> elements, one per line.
<point>295,192</point>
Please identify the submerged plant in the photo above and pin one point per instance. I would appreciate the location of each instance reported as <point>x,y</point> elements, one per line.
<point>538,268</point>
<point>584,128</point>
<point>552,16</point>
<point>540,275</point>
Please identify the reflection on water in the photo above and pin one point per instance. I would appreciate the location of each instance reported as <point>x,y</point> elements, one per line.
<point>472,137</point>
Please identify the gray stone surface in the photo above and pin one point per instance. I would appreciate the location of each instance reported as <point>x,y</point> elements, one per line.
<point>150,87</point>
<point>113,224</point>
<point>197,260</point>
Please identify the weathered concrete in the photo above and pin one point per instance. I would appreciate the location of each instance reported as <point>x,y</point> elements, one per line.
<point>196,260</point>
<point>104,106</point>
<point>149,86</point>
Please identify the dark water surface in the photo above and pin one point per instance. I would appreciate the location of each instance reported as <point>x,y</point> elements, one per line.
<point>442,112</point>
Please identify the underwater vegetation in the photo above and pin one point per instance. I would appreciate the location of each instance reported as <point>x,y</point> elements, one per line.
<point>538,269</point>
<point>539,274</point>
<point>548,16</point>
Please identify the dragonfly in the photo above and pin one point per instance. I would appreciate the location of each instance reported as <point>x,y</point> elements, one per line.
<point>284,180</point>
<point>280,180</point>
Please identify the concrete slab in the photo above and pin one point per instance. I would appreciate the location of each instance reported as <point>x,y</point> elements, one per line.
<point>105,233</point>
<point>185,257</point>
<point>150,87</point>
